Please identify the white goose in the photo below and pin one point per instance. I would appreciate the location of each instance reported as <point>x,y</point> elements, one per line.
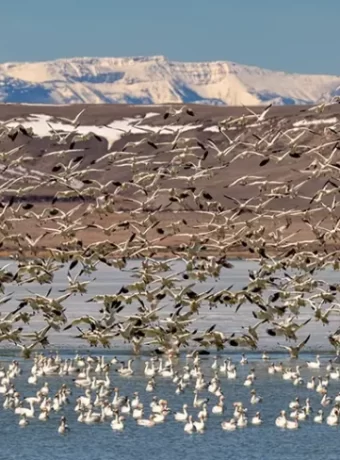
<point>189,427</point>
<point>319,418</point>
<point>63,427</point>
<point>199,402</point>
<point>135,401</point>
<point>150,422</point>
<point>292,424</point>
<point>203,414</point>
<point>23,410</point>
<point>311,384</point>
<point>255,399</point>
<point>138,412</point>
<point>182,416</point>
<point>257,420</point>
<point>126,371</point>
<point>281,420</point>
<point>333,418</point>
<point>200,424</point>
<point>229,426</point>
<point>219,408</point>
<point>23,420</point>
<point>93,417</point>
<point>314,364</point>
<point>118,423</point>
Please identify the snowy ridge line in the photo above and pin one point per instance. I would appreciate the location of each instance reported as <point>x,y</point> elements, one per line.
<point>157,80</point>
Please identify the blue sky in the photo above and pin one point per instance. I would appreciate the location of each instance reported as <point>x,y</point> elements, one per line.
<point>291,35</point>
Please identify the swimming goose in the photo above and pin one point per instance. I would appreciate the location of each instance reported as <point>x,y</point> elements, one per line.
<point>126,371</point>
<point>232,374</point>
<point>337,398</point>
<point>104,383</point>
<point>281,420</point>
<point>32,379</point>
<point>23,420</point>
<point>257,420</point>
<point>299,414</point>
<point>93,417</point>
<point>223,367</point>
<point>138,412</point>
<point>329,366</point>
<point>189,427</point>
<point>168,372</point>
<point>149,371</point>
<point>44,390</point>
<point>278,367</point>
<point>229,426</point>
<point>203,414</point>
<point>159,418</point>
<point>147,422</point>
<point>135,401</point>
<point>244,360</point>
<point>43,416</point>
<point>84,381</point>
<point>255,399</point>
<point>295,404</point>
<point>63,427</point>
<point>85,400</point>
<point>271,369</point>
<point>248,381</point>
<point>335,374</point>
<point>23,410</point>
<point>150,387</point>
<point>212,387</point>
<point>200,424</point>
<point>292,424</point>
<point>333,418</point>
<point>199,402</point>
<point>108,411</point>
<point>200,383</point>
<point>311,384</point>
<point>156,405</point>
<point>118,401</point>
<point>265,356</point>
<point>118,423</point>
<point>219,408</point>
<point>182,416</point>
<point>180,387</point>
<point>314,364</point>
<point>126,409</point>
<point>319,418</point>
<point>214,365</point>
<point>326,400</point>
<point>242,421</point>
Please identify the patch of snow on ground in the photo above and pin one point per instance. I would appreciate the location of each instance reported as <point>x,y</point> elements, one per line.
<point>324,121</point>
<point>42,125</point>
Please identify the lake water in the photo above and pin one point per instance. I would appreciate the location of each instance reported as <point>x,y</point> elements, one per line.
<point>167,441</point>
<point>40,440</point>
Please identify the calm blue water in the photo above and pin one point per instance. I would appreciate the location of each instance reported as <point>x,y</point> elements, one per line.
<point>168,441</point>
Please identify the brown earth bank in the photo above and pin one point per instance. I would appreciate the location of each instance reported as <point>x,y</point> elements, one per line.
<point>192,147</point>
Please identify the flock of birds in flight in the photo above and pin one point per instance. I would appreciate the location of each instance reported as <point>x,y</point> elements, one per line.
<point>176,201</point>
<point>169,203</point>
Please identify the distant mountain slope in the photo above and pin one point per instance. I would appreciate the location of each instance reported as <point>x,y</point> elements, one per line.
<point>157,80</point>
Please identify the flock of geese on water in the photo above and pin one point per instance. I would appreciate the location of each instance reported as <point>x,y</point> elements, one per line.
<point>169,201</point>
<point>99,401</point>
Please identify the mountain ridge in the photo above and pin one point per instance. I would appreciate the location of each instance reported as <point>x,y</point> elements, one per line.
<point>158,80</point>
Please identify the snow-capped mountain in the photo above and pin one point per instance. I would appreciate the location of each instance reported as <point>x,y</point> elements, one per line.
<point>156,80</point>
